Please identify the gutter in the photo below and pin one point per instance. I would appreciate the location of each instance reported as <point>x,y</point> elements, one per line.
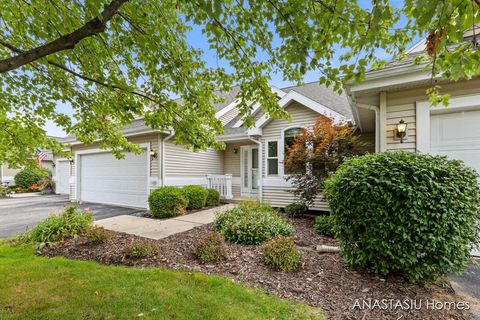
<point>162,156</point>
<point>376,109</point>
<point>260,169</point>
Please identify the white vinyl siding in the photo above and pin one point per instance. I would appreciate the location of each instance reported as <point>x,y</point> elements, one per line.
<point>180,161</point>
<point>279,195</point>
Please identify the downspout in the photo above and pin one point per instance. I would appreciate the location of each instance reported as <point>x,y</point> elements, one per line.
<point>260,169</point>
<point>162,156</point>
<point>376,109</point>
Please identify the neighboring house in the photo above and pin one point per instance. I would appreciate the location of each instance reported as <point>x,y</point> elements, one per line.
<point>251,166</point>
<point>7,174</point>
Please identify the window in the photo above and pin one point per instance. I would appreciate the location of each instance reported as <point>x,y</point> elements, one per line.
<point>272,158</point>
<point>289,139</point>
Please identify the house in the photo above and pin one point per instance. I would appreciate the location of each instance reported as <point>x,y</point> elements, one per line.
<point>251,166</point>
<point>7,174</point>
<point>394,96</point>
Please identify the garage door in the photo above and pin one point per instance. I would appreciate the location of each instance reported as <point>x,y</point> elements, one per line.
<point>106,179</point>
<point>457,135</point>
<point>62,177</point>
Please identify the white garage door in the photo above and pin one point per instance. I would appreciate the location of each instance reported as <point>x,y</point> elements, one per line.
<point>457,135</point>
<point>106,179</point>
<point>62,184</point>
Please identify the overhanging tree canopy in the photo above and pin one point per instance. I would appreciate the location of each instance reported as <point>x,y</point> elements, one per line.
<point>115,60</point>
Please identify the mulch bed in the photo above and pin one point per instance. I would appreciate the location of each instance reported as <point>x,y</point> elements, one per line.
<point>323,280</point>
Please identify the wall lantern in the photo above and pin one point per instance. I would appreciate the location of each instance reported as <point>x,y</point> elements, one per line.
<point>72,161</point>
<point>401,131</point>
<point>153,154</point>
<point>235,150</point>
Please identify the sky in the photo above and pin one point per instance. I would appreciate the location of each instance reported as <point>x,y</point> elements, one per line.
<point>198,40</point>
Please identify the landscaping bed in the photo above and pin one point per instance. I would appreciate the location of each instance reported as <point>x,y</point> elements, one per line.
<point>322,280</point>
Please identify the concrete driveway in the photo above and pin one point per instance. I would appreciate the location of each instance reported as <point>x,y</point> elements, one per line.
<point>21,212</point>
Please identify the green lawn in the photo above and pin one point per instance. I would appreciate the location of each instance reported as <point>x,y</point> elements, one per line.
<point>32,287</point>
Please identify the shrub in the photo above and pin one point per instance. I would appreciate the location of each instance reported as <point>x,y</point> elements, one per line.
<point>324,225</point>
<point>47,184</point>
<point>281,254</point>
<point>167,202</point>
<point>295,209</point>
<point>71,222</point>
<point>211,248</point>
<point>30,176</point>
<point>196,196</point>
<point>213,197</point>
<point>140,249</point>
<point>4,191</point>
<point>407,213</point>
<point>97,235</point>
<point>251,223</point>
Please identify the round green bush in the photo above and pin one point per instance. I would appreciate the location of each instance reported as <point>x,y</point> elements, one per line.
<point>295,209</point>
<point>29,176</point>
<point>251,223</point>
<point>212,248</point>
<point>407,213</point>
<point>167,202</point>
<point>213,197</point>
<point>324,225</point>
<point>196,196</point>
<point>281,254</point>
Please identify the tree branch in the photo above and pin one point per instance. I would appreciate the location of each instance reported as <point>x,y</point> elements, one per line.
<point>66,42</point>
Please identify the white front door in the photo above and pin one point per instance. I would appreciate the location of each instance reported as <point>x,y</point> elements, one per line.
<point>249,170</point>
<point>62,177</point>
<point>106,179</point>
<point>457,136</point>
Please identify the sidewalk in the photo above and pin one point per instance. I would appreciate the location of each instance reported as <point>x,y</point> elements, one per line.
<point>158,229</point>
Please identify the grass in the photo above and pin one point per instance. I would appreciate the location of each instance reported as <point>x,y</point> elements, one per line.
<point>40,288</point>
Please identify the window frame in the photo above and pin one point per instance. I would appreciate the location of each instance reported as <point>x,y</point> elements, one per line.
<point>267,157</point>
<point>281,168</point>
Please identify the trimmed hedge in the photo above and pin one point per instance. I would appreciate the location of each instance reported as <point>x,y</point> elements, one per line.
<point>196,196</point>
<point>251,223</point>
<point>408,213</point>
<point>167,202</point>
<point>213,197</point>
<point>29,176</point>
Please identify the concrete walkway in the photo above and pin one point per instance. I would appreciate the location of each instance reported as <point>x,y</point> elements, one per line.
<point>158,229</point>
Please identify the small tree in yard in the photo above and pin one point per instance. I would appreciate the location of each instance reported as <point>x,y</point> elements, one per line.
<point>317,152</point>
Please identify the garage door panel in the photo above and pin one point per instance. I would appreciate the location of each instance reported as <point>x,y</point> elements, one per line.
<point>105,179</point>
<point>457,136</point>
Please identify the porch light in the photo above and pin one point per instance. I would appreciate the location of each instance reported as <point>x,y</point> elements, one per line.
<point>235,150</point>
<point>72,161</point>
<point>401,131</point>
<point>153,154</point>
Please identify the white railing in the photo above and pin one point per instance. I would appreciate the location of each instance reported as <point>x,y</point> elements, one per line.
<point>222,183</point>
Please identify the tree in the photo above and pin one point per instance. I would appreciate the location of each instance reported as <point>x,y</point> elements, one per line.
<point>115,60</point>
<point>317,152</point>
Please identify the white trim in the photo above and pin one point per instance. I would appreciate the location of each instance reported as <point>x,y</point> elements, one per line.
<point>415,47</point>
<point>307,102</point>
<point>383,122</point>
<point>249,191</point>
<point>55,178</point>
<point>8,178</point>
<point>162,160</point>
<point>267,157</point>
<point>403,74</point>
<point>424,110</point>
<point>78,155</point>
<point>279,92</point>
<point>227,108</point>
